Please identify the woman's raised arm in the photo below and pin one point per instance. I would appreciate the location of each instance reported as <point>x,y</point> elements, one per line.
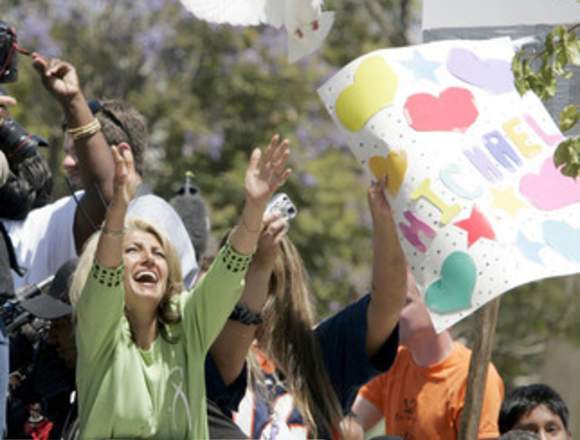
<point>215,295</point>
<point>266,172</point>
<point>110,247</point>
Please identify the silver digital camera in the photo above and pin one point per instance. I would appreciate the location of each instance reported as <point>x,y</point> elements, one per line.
<point>281,202</point>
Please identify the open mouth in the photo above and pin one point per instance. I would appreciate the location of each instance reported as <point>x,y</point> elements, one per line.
<point>146,277</point>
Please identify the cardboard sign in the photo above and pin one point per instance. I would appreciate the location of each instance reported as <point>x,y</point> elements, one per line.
<point>479,204</point>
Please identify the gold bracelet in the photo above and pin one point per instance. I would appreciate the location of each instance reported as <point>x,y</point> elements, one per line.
<point>85,131</point>
<point>113,232</point>
<point>82,128</point>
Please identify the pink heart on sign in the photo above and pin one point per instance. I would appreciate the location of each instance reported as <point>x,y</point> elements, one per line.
<point>453,110</point>
<point>493,75</point>
<point>550,189</point>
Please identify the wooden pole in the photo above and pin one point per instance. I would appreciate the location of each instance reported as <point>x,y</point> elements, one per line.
<point>486,320</point>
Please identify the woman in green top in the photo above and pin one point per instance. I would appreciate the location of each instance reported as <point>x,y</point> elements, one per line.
<point>141,342</point>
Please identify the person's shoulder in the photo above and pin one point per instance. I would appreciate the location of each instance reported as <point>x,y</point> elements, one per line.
<point>460,351</point>
<point>462,355</point>
<point>353,310</point>
<point>403,358</point>
<point>65,204</point>
<point>403,362</point>
<point>458,360</point>
<point>56,211</point>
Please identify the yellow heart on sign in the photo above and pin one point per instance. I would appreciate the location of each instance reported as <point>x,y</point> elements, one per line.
<point>374,88</point>
<point>394,166</point>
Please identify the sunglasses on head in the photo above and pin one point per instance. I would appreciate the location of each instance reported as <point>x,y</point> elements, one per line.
<point>97,106</point>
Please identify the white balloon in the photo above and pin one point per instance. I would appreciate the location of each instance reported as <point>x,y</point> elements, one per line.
<point>307,26</point>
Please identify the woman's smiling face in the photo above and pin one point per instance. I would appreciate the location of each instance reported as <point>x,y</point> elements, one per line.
<point>146,267</point>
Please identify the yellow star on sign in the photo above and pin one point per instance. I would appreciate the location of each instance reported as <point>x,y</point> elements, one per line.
<point>507,200</point>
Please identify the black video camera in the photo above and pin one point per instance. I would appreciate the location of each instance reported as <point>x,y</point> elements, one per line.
<point>8,49</point>
<point>30,180</point>
<point>16,143</point>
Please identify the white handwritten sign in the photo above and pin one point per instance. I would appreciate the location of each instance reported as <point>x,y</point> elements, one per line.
<point>479,204</point>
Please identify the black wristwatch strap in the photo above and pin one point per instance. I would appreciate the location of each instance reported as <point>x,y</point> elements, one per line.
<point>244,315</point>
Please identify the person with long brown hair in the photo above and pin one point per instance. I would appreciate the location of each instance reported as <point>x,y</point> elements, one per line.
<point>141,341</point>
<point>302,378</point>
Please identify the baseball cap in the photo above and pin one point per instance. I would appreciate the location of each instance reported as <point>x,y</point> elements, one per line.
<point>55,302</point>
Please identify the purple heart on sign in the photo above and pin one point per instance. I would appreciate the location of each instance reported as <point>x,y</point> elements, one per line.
<point>492,75</point>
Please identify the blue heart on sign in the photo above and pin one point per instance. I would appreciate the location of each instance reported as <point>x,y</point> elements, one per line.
<point>453,291</point>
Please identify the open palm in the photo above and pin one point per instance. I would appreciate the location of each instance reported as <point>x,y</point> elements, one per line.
<point>267,171</point>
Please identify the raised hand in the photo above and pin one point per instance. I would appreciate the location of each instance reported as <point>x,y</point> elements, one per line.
<point>265,174</point>
<point>389,271</point>
<point>378,203</point>
<point>59,77</point>
<point>110,246</point>
<point>267,171</point>
<point>123,184</point>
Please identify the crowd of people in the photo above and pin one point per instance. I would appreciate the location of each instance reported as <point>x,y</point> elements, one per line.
<point>144,342</point>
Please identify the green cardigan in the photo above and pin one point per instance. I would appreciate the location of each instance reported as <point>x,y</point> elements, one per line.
<point>126,392</point>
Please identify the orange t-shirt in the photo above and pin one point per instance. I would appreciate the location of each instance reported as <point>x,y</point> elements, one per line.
<point>426,403</point>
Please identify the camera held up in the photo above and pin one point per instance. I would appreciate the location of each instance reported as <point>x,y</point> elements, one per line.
<point>15,142</point>
<point>8,50</point>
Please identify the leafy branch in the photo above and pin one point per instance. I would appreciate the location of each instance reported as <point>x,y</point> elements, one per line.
<point>540,72</point>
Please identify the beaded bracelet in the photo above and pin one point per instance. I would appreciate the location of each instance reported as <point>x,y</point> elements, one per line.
<point>108,277</point>
<point>85,131</point>
<point>233,260</point>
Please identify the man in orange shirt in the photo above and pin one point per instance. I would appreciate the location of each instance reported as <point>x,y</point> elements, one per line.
<point>421,396</point>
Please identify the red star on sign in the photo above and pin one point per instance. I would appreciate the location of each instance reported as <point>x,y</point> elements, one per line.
<point>476,226</point>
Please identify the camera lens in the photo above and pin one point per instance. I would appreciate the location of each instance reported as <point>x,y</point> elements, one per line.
<point>15,141</point>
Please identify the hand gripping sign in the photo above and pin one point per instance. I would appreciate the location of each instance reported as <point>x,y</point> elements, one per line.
<point>479,204</point>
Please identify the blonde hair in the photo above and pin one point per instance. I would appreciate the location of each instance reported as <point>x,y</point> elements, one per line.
<point>167,312</point>
<point>288,339</point>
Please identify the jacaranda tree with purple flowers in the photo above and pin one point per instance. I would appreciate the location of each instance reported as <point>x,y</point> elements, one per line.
<point>211,93</point>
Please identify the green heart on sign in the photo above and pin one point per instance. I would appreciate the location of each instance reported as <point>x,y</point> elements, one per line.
<point>453,291</point>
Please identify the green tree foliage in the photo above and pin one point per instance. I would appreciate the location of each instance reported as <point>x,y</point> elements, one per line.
<point>539,72</point>
<point>210,93</point>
